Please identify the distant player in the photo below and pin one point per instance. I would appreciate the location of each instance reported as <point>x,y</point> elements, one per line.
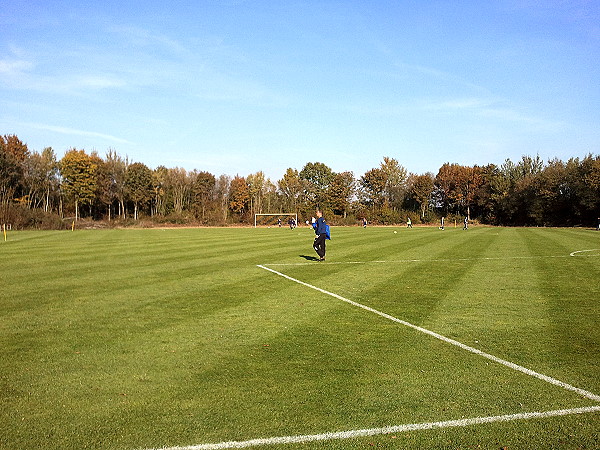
<point>408,223</point>
<point>598,227</point>
<point>364,222</point>
<point>466,226</point>
<point>442,223</point>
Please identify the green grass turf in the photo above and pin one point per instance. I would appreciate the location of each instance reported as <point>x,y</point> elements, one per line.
<point>148,338</point>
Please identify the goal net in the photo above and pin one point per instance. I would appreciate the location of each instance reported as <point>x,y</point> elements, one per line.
<point>274,220</point>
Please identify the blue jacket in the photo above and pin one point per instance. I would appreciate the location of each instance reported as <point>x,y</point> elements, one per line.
<point>321,226</point>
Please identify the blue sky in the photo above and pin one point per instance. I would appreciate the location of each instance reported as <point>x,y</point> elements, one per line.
<point>234,87</point>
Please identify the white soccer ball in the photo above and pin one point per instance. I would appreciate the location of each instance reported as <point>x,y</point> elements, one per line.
<point>395,232</point>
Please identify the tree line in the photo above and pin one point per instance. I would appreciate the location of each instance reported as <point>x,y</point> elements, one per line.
<point>37,189</point>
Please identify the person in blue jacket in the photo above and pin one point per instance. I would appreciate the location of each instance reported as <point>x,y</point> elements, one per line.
<point>321,231</point>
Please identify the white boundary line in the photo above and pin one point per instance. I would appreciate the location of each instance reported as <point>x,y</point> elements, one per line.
<point>581,251</point>
<point>387,430</point>
<point>513,366</point>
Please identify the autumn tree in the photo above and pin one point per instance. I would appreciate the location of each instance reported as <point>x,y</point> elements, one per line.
<point>179,187</point>
<point>457,186</point>
<point>116,170</point>
<point>372,187</point>
<point>238,195</point>
<point>528,166</point>
<point>446,185</point>
<point>421,188</point>
<point>96,201</point>
<point>50,171</point>
<point>222,188</point>
<point>585,176</point>
<point>554,197</point>
<point>272,201</point>
<point>12,156</point>
<point>317,177</point>
<point>395,181</point>
<point>491,194</point>
<point>159,191</point>
<point>340,192</point>
<point>104,188</point>
<point>257,184</point>
<point>78,173</point>
<point>15,147</point>
<point>110,179</point>
<point>521,178</point>
<point>290,187</point>
<point>469,186</point>
<point>138,186</point>
<point>203,191</point>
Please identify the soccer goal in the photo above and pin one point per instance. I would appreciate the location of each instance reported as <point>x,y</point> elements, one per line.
<point>269,220</point>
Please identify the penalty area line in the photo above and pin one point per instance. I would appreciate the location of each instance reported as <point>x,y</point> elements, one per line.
<point>387,430</point>
<point>448,340</point>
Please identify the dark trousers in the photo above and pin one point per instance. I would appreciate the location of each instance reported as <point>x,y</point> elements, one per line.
<point>319,245</point>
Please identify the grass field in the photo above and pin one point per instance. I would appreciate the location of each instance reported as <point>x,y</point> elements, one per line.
<point>144,339</point>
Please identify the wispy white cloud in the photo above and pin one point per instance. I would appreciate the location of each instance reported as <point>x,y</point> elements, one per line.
<point>25,74</point>
<point>494,109</point>
<point>75,132</point>
<point>14,67</point>
<point>513,115</point>
<point>63,85</point>
<point>134,58</point>
<point>437,74</point>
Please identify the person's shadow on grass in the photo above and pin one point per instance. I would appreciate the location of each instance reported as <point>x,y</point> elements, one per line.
<point>309,258</point>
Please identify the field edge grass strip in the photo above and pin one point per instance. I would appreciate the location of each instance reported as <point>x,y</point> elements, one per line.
<point>387,430</point>
<point>554,381</point>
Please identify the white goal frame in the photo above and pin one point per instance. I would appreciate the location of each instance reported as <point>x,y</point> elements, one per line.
<point>295,215</point>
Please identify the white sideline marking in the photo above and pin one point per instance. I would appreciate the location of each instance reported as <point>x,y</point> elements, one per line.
<point>387,430</point>
<point>513,366</point>
<point>581,251</point>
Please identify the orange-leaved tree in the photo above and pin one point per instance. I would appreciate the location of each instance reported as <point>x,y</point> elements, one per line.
<point>78,172</point>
